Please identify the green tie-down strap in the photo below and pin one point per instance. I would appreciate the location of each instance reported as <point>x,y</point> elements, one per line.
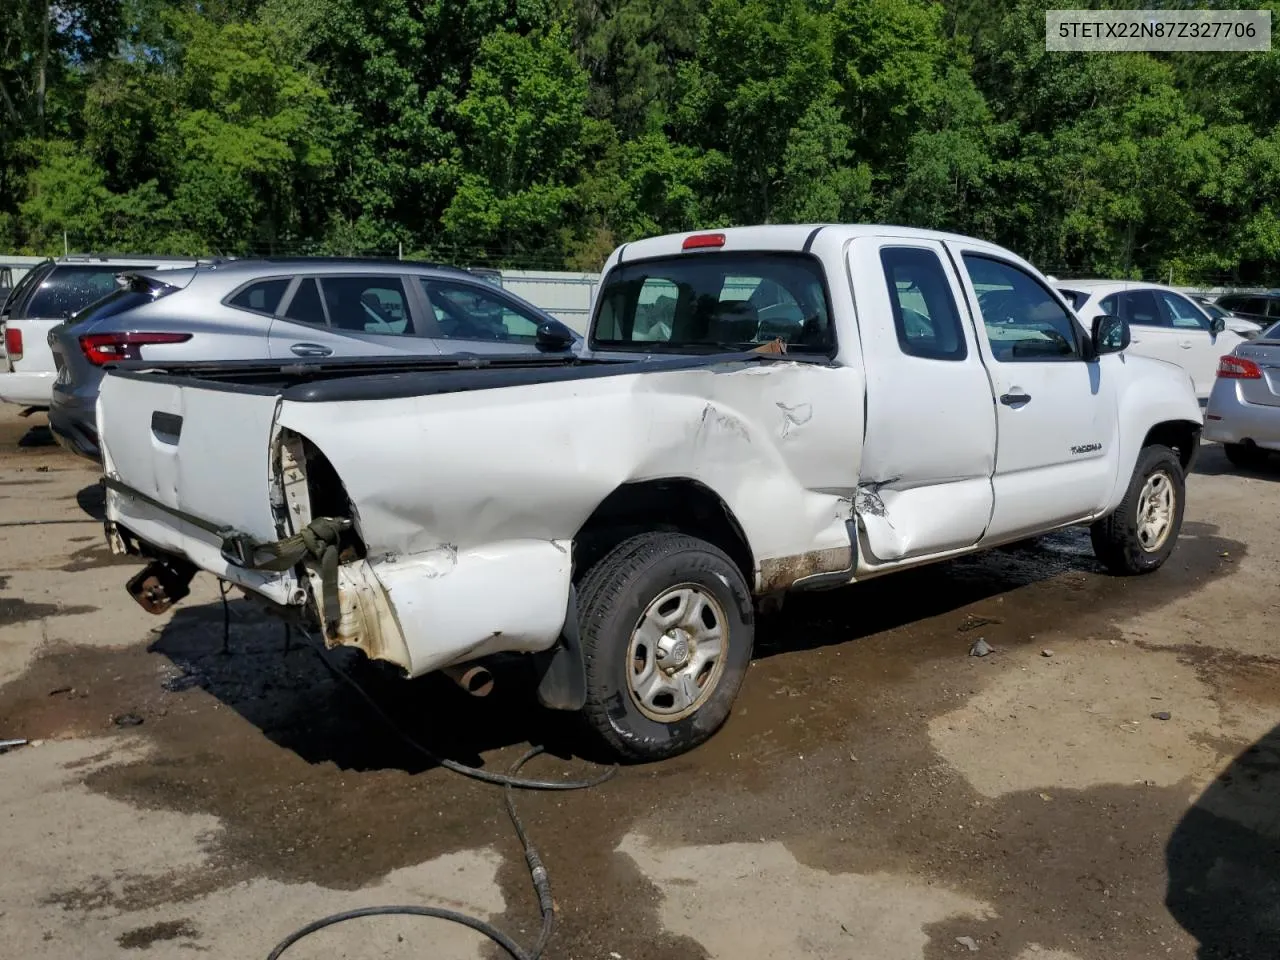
<point>318,540</point>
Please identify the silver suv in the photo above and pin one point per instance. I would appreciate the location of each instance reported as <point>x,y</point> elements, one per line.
<point>291,310</point>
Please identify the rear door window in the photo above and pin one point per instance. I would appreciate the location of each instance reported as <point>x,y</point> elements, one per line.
<point>306,306</point>
<point>924,311</point>
<point>69,289</point>
<point>466,311</point>
<point>374,304</point>
<point>715,302</point>
<point>1136,307</point>
<point>261,297</point>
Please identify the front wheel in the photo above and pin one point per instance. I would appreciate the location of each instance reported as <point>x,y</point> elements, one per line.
<point>1139,536</point>
<point>666,627</point>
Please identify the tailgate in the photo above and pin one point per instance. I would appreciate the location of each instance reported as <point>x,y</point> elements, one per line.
<point>36,356</point>
<point>186,462</point>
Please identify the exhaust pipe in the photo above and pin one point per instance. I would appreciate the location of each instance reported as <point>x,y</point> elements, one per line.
<point>473,678</point>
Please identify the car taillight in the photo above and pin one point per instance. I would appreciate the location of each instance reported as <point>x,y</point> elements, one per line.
<point>1238,368</point>
<point>13,343</point>
<point>100,348</point>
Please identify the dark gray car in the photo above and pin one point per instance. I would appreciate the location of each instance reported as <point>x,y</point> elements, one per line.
<point>308,309</point>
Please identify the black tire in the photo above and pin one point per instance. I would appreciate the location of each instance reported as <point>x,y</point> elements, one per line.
<point>1245,455</point>
<point>613,597</point>
<point>1117,541</point>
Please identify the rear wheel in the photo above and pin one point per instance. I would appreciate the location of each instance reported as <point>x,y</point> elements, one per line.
<point>1139,536</point>
<point>666,627</point>
<point>1245,455</point>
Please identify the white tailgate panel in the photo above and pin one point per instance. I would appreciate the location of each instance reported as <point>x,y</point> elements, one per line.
<point>36,355</point>
<point>217,470</point>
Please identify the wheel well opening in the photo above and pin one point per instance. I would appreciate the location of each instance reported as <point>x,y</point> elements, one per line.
<point>1182,435</point>
<point>326,494</point>
<point>679,505</point>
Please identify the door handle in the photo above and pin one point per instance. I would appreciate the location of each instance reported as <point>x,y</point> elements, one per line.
<point>1015,399</point>
<point>1185,344</point>
<point>310,350</point>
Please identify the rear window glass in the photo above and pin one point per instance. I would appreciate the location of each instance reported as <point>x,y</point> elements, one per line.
<point>1075,298</point>
<point>69,290</point>
<point>263,296</point>
<point>122,299</point>
<point>715,301</point>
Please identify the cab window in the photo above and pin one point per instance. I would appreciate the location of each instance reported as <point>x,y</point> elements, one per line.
<point>924,311</point>
<point>1024,322</point>
<point>714,302</point>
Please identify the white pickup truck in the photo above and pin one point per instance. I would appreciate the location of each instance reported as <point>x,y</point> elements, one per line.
<point>619,515</point>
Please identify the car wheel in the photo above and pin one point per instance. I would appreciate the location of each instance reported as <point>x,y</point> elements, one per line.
<point>1245,455</point>
<point>1139,536</point>
<point>667,630</point>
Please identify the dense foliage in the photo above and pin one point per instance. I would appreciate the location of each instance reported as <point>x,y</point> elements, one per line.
<point>544,132</point>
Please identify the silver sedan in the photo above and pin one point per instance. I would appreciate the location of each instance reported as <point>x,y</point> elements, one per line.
<point>1244,405</point>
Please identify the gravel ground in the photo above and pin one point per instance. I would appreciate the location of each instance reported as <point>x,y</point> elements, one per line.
<point>877,794</point>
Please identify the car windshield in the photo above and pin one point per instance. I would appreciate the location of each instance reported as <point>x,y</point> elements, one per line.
<point>712,302</point>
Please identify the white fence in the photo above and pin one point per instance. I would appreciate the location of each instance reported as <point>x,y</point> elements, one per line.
<point>566,296</point>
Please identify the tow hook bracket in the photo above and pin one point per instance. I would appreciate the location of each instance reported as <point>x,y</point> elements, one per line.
<point>161,584</point>
<point>238,549</point>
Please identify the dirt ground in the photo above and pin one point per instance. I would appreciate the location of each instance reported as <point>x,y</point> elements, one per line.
<point>877,794</point>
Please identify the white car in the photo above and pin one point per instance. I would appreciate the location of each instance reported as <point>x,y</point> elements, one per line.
<point>617,515</point>
<point>1163,323</point>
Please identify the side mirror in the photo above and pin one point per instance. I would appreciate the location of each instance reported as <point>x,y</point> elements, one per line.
<point>1110,334</point>
<point>1217,325</point>
<point>553,337</point>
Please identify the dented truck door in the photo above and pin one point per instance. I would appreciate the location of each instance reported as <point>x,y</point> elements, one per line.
<point>930,444</point>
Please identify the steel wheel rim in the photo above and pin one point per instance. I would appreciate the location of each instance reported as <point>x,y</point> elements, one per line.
<point>1155,511</point>
<point>677,652</point>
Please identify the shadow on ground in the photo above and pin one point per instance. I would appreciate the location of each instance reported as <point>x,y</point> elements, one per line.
<point>38,436</point>
<point>1213,462</point>
<point>1224,860</point>
<point>300,705</point>
<point>93,501</point>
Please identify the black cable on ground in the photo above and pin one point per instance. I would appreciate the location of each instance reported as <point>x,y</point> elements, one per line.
<point>510,782</point>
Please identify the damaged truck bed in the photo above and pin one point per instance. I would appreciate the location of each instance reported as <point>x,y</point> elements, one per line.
<point>618,515</point>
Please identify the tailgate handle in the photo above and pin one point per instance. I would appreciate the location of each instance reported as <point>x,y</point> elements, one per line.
<point>167,427</point>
